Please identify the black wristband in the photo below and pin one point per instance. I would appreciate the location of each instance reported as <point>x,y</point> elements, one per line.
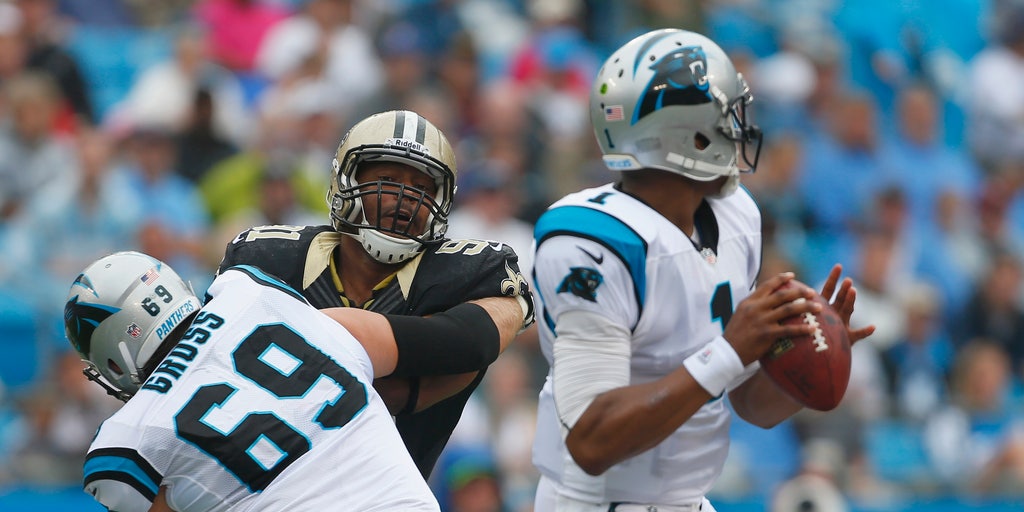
<point>414,397</point>
<point>460,340</point>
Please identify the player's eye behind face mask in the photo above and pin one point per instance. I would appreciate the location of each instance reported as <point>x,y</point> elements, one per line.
<point>398,209</point>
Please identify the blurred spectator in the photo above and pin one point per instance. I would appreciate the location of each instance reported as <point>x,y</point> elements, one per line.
<point>954,254</point>
<point>785,219</point>
<point>175,221</point>
<point>200,144</point>
<point>469,480</point>
<point>880,44</point>
<point>996,101</point>
<point>406,67</point>
<point>446,22</point>
<point>164,13</point>
<point>93,213</point>
<point>842,165</point>
<point>556,67</point>
<point>97,13</point>
<point>995,311</point>
<point>511,399</point>
<point>13,48</point>
<point>237,29</point>
<point>808,492</point>
<point>486,209</point>
<point>840,172</point>
<point>510,133</point>
<point>233,185</point>
<point>164,93</point>
<point>33,160</point>
<point>458,76</point>
<point>976,443</point>
<point>556,46</point>
<point>878,280</point>
<point>741,26</point>
<point>276,204</point>
<point>324,29</point>
<point>44,35</point>
<point>60,421</point>
<point>919,363</point>
<point>996,226</point>
<point>917,160</point>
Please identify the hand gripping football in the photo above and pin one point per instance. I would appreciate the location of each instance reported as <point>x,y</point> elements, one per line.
<point>814,370</point>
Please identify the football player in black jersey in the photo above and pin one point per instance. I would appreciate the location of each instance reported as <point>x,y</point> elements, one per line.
<point>392,187</point>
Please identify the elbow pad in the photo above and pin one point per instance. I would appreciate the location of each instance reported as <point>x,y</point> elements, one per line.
<point>460,340</point>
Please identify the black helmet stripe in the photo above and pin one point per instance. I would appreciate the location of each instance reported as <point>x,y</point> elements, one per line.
<point>399,124</point>
<point>421,129</point>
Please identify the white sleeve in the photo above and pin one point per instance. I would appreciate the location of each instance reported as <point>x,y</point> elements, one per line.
<point>118,496</point>
<point>578,274</point>
<point>591,356</point>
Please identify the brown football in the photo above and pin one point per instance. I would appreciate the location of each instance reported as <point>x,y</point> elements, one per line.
<point>814,369</point>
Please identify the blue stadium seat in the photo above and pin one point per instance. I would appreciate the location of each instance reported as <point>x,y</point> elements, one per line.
<point>111,57</point>
<point>897,454</point>
<point>21,361</point>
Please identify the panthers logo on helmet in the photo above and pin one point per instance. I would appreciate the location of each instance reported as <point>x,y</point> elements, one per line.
<point>81,319</point>
<point>582,282</point>
<point>680,78</point>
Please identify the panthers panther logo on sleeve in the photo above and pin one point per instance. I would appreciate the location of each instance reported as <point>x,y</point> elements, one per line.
<point>680,78</point>
<point>582,282</point>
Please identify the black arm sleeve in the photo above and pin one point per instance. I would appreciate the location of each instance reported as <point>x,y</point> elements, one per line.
<point>460,340</point>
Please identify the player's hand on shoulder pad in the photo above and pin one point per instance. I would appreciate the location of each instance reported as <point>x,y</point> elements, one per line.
<point>757,321</point>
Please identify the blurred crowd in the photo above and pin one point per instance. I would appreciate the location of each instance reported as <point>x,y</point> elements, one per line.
<point>894,144</point>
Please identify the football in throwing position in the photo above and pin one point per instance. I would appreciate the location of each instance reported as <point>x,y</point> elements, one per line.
<point>813,369</point>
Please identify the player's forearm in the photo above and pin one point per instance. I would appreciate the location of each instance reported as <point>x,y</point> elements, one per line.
<point>760,402</point>
<point>624,422</point>
<point>466,338</point>
<point>507,315</point>
<point>403,397</point>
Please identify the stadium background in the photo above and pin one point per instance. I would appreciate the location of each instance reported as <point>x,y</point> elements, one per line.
<point>895,145</point>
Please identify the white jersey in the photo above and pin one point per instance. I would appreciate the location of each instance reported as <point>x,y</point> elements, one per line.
<point>265,404</point>
<point>603,251</point>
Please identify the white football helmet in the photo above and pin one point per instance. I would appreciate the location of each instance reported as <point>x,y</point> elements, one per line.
<point>672,100</point>
<point>118,312</point>
<point>397,136</point>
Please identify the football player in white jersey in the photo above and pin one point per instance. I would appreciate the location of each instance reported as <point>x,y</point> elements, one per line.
<point>253,401</point>
<point>647,290</point>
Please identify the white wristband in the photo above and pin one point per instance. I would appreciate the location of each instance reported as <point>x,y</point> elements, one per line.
<point>714,366</point>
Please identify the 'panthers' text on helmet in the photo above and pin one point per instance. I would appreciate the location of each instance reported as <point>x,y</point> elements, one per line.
<point>118,312</point>
<point>672,100</point>
<point>397,136</point>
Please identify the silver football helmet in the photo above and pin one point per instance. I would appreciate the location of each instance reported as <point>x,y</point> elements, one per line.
<point>118,312</point>
<point>397,136</point>
<point>672,100</point>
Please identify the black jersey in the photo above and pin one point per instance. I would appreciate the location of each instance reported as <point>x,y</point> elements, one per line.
<point>444,275</point>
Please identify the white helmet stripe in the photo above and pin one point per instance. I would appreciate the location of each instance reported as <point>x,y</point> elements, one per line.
<point>410,126</point>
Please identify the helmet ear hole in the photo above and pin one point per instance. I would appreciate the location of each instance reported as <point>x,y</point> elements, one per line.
<point>701,141</point>
<point>114,367</point>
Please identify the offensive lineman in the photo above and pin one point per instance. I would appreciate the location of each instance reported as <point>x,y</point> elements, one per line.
<point>255,401</point>
<point>647,290</point>
<point>392,187</point>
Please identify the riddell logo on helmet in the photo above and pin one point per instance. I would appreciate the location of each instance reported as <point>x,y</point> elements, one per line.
<point>409,144</point>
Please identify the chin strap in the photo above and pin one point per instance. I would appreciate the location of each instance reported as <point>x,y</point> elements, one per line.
<point>388,249</point>
<point>94,375</point>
